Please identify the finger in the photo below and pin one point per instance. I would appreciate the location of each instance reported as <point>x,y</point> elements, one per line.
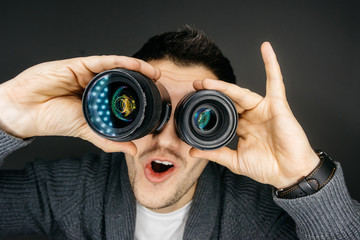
<point>274,83</point>
<point>108,145</point>
<point>223,156</point>
<point>244,98</point>
<point>98,64</point>
<point>198,86</point>
<point>85,68</point>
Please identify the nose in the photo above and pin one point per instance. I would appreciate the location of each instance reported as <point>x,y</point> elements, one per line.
<point>168,137</point>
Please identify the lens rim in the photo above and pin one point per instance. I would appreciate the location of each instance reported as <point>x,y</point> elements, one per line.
<point>227,119</point>
<point>115,76</point>
<point>153,107</point>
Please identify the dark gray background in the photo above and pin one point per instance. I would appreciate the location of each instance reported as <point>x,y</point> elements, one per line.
<point>317,44</point>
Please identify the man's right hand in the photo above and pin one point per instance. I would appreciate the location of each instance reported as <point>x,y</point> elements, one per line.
<point>46,99</point>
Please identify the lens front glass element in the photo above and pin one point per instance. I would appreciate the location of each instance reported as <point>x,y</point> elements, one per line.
<point>112,105</point>
<point>205,119</point>
<point>123,104</point>
<point>99,108</point>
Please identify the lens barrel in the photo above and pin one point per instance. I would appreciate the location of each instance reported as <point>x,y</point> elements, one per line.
<point>206,119</point>
<point>123,105</point>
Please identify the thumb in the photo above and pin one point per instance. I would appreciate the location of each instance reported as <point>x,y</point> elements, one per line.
<point>223,156</point>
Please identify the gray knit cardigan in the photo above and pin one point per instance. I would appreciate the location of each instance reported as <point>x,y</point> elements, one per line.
<point>91,198</point>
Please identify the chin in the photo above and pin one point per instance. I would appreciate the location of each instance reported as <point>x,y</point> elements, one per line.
<point>155,198</point>
<point>164,195</point>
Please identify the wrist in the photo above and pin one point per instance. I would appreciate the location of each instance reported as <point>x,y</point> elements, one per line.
<point>10,120</point>
<point>308,162</point>
<point>313,182</point>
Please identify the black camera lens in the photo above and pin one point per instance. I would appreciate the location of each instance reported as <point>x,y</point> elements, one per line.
<point>124,105</point>
<point>206,119</point>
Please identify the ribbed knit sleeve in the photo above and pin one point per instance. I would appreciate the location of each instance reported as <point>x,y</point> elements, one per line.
<point>63,199</point>
<point>327,214</point>
<point>9,143</point>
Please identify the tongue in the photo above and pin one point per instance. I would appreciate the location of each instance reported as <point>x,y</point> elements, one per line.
<point>159,168</point>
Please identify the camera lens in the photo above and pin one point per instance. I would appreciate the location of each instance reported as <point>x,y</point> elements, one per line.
<point>123,105</point>
<point>206,119</point>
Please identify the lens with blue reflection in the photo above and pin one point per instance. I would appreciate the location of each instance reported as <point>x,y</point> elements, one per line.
<point>123,105</point>
<point>205,119</point>
<point>112,105</point>
<point>98,106</point>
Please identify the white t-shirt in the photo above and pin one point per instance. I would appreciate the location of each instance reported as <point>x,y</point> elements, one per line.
<point>162,226</point>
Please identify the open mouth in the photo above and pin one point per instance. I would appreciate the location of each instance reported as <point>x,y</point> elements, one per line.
<point>161,166</point>
<point>158,171</point>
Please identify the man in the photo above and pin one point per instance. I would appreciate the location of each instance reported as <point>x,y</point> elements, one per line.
<point>224,193</point>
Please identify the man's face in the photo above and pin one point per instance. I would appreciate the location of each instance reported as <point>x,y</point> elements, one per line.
<point>169,190</point>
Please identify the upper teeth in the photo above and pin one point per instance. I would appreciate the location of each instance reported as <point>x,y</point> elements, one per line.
<point>163,162</point>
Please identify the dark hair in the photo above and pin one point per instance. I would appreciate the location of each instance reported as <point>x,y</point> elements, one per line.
<point>185,47</point>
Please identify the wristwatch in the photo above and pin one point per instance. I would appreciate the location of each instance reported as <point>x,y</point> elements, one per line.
<point>313,182</point>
